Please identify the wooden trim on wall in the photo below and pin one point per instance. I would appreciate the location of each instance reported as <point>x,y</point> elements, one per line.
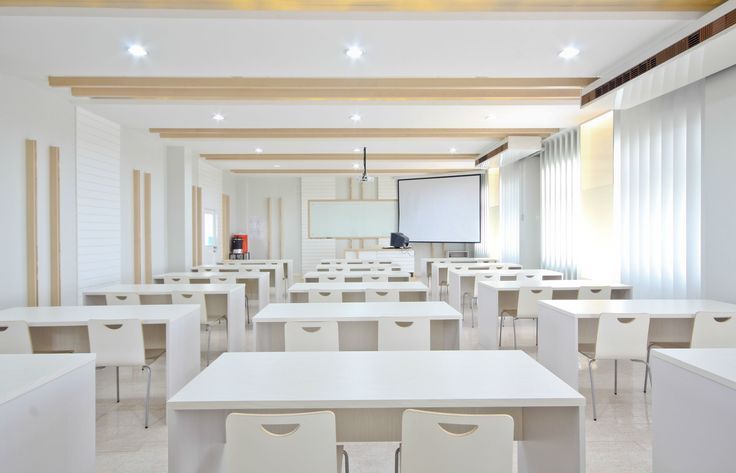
<point>31,224</point>
<point>147,243</point>
<point>268,228</point>
<point>55,225</point>
<point>225,224</point>
<point>200,217</point>
<point>195,223</point>
<point>281,228</point>
<point>136,226</point>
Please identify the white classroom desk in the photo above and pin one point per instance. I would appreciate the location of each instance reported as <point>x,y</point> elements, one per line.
<point>275,272</point>
<point>496,296</point>
<point>369,391</point>
<point>358,323</point>
<point>228,299</point>
<point>426,263</point>
<point>440,272</point>
<point>355,291</point>
<point>47,413</point>
<point>563,325</point>
<point>358,267</point>
<point>462,281</point>
<point>342,261</point>
<point>256,283</point>
<point>286,264</point>
<point>357,276</point>
<point>694,410</point>
<point>174,328</point>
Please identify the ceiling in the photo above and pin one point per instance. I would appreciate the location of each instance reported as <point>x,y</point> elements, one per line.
<point>514,51</point>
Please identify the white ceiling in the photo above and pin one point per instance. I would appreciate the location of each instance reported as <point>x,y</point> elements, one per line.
<point>35,46</point>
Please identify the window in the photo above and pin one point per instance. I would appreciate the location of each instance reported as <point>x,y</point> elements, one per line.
<point>210,228</point>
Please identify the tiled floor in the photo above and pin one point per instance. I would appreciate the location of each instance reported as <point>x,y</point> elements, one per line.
<point>619,442</point>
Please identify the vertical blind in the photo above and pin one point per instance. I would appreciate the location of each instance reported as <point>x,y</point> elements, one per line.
<point>658,146</point>
<point>510,194</point>
<point>560,191</point>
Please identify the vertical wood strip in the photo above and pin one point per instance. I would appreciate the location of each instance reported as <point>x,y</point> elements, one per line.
<point>200,217</point>
<point>54,225</point>
<point>136,226</point>
<point>268,228</point>
<point>225,224</point>
<point>31,225</point>
<point>147,244</point>
<point>281,229</point>
<point>195,223</point>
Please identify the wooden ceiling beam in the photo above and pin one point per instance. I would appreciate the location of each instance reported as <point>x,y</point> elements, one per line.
<point>338,157</point>
<point>345,171</point>
<point>282,133</point>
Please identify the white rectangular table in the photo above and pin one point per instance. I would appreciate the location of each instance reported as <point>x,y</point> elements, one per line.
<point>275,272</point>
<point>462,281</point>
<point>341,261</point>
<point>355,291</point>
<point>358,267</point>
<point>174,328</point>
<point>358,323</point>
<point>563,325</point>
<point>694,410</point>
<point>369,391</point>
<point>495,297</point>
<point>425,265</point>
<point>357,276</point>
<point>47,413</point>
<point>227,299</point>
<point>256,283</point>
<point>440,272</point>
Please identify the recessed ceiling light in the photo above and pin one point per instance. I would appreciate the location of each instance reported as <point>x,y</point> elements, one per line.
<point>218,117</point>
<point>453,150</point>
<point>356,166</point>
<point>569,52</point>
<point>490,116</point>
<point>277,165</point>
<point>355,117</point>
<point>356,150</point>
<point>137,50</point>
<point>259,150</point>
<point>354,52</point>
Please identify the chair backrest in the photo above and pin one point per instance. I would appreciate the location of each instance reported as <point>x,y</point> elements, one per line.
<point>207,270</point>
<point>528,277</point>
<point>176,280</point>
<point>593,293</point>
<point>311,336</point>
<point>280,443</point>
<point>123,298</point>
<point>117,342</point>
<point>178,297</point>
<point>245,269</point>
<point>372,295</point>
<point>381,268</point>
<point>714,330</point>
<point>222,279</point>
<point>332,278</point>
<point>315,295</point>
<point>15,338</point>
<point>528,297</point>
<point>622,337</point>
<point>483,278</point>
<point>375,278</point>
<point>403,334</point>
<point>229,269</point>
<point>434,442</point>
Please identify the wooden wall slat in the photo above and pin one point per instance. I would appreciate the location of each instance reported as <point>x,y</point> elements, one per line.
<point>136,226</point>
<point>55,225</point>
<point>31,224</point>
<point>147,244</point>
<point>199,225</point>
<point>268,229</point>
<point>225,224</point>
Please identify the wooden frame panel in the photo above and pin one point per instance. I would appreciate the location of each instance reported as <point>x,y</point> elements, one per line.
<point>338,157</point>
<point>225,226</point>
<point>31,224</point>
<point>195,224</point>
<point>199,225</point>
<point>147,243</point>
<point>321,133</point>
<point>55,225</point>
<point>136,226</point>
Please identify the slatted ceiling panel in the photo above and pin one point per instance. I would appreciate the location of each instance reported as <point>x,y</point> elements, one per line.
<point>313,250</point>
<point>98,200</point>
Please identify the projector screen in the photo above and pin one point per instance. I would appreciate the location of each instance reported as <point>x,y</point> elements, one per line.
<point>440,209</point>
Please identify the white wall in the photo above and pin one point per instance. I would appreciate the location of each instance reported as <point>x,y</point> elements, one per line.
<point>29,111</point>
<point>718,170</point>
<point>178,209</point>
<point>530,229</point>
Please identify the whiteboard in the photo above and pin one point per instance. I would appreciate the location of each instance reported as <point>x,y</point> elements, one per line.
<point>352,218</point>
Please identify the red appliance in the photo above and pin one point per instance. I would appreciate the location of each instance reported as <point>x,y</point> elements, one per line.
<point>239,244</point>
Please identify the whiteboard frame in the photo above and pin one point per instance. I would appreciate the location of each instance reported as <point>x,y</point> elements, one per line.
<point>367,237</point>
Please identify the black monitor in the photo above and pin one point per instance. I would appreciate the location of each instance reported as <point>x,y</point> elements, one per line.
<point>399,240</point>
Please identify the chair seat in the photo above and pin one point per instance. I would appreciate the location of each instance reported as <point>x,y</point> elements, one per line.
<point>509,312</point>
<point>153,354</point>
<point>669,344</point>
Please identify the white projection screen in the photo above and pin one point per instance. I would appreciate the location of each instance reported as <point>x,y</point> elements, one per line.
<point>443,209</point>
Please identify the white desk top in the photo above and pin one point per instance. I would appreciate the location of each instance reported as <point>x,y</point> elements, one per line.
<point>473,264</point>
<point>658,308</point>
<point>554,284</point>
<point>457,260</point>
<point>504,272</point>
<point>356,312</point>
<point>231,267</point>
<point>206,275</point>
<point>159,289</point>
<point>716,364</point>
<point>257,261</point>
<point>80,315</point>
<point>356,274</point>
<point>390,379</point>
<point>358,286</point>
<point>24,373</point>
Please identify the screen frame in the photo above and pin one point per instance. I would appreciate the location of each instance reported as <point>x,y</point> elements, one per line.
<point>480,205</point>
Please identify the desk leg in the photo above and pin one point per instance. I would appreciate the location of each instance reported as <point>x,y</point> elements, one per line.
<point>236,319</point>
<point>445,334</point>
<point>488,305</point>
<point>554,440</point>
<point>454,290</point>
<point>558,344</point>
<point>263,293</point>
<point>182,352</point>
<point>196,441</point>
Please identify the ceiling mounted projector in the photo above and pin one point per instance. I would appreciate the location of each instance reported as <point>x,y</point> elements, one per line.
<point>365,177</point>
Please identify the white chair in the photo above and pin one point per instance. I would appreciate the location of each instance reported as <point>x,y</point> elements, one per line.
<point>529,277</point>
<point>205,320</point>
<point>526,308</point>
<point>176,280</point>
<point>332,278</point>
<point>315,295</point>
<point>373,295</point>
<point>120,343</point>
<point>594,293</point>
<point>474,295</point>
<point>382,269</point>
<point>223,279</point>
<point>282,443</point>
<point>311,336</point>
<point>123,298</point>
<point>619,337</point>
<point>435,442</point>
<point>403,334</point>
<point>375,278</point>
<point>15,338</point>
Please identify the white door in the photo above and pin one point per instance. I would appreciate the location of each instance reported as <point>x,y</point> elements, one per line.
<point>211,237</point>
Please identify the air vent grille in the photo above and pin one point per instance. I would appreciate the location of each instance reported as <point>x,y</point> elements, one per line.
<point>706,32</point>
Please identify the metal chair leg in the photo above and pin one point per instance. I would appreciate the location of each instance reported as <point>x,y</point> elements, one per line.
<point>148,393</point>
<point>396,459</point>
<point>247,310</point>
<point>513,323</point>
<point>615,377</point>
<point>646,371</point>
<point>500,331</point>
<point>209,339</point>
<point>117,382</point>
<point>346,459</point>
<point>592,388</point>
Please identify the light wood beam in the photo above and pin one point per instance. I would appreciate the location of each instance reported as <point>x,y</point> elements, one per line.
<point>31,224</point>
<point>338,157</point>
<point>195,224</point>
<point>321,133</point>
<point>55,225</point>
<point>136,226</point>
<point>147,243</point>
<point>347,171</point>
